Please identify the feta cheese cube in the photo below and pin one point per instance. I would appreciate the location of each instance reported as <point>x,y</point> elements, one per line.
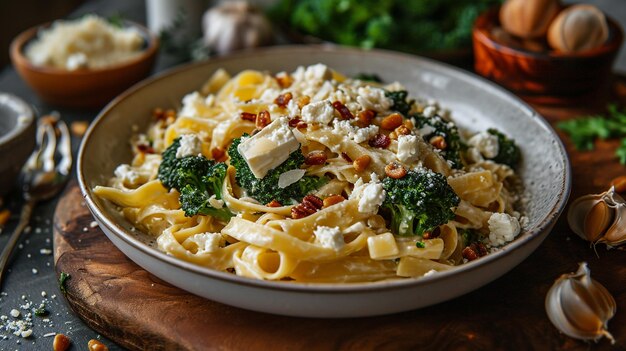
<point>371,195</point>
<point>318,72</point>
<point>128,175</point>
<point>502,228</point>
<point>382,246</point>
<point>329,237</point>
<point>269,148</point>
<point>190,145</point>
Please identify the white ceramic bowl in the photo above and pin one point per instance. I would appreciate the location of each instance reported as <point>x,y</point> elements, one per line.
<point>475,103</point>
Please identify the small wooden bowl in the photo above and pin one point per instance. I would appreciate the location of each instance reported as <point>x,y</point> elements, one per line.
<point>17,138</point>
<point>83,88</point>
<point>543,77</point>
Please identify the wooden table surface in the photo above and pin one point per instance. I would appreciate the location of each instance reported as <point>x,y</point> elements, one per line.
<point>139,311</point>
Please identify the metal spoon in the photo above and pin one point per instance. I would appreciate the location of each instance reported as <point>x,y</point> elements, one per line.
<point>41,177</point>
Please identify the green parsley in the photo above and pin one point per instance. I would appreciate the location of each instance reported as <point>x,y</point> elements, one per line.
<point>62,280</point>
<point>584,130</point>
<point>420,244</point>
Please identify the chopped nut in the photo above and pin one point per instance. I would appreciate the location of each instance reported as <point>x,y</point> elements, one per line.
<point>145,148</point>
<point>344,112</point>
<point>431,235</point>
<point>61,342</point>
<point>218,154</point>
<point>158,113</point>
<point>333,200</point>
<point>274,203</point>
<point>474,251</point>
<point>361,163</point>
<point>365,118</point>
<point>438,142</point>
<point>79,128</point>
<point>170,113</point>
<point>393,136</point>
<point>619,183</point>
<point>309,205</point>
<point>380,140</point>
<point>247,116</point>
<point>4,217</point>
<point>392,121</point>
<point>263,119</point>
<point>395,170</point>
<point>402,130</point>
<point>408,123</point>
<point>95,345</point>
<point>346,157</point>
<point>303,101</point>
<point>283,99</point>
<point>297,123</point>
<point>315,158</point>
<point>284,80</point>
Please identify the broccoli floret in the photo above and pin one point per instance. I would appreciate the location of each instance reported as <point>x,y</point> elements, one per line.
<point>197,179</point>
<point>400,102</point>
<point>266,189</point>
<point>418,202</point>
<point>447,130</point>
<point>508,152</point>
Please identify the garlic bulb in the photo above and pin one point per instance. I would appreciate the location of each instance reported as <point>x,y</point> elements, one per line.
<point>235,25</point>
<point>528,18</point>
<point>579,306</point>
<point>599,218</point>
<point>578,28</point>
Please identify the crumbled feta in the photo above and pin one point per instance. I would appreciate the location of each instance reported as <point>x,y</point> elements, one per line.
<point>429,111</point>
<point>330,237</point>
<point>373,99</point>
<point>190,145</point>
<point>293,109</point>
<point>14,313</point>
<point>353,132</point>
<point>320,112</point>
<point>26,333</point>
<point>290,177</point>
<point>371,195</point>
<point>324,91</point>
<point>193,104</point>
<point>408,148</point>
<point>486,143</point>
<point>269,148</point>
<point>207,242</point>
<point>426,130</point>
<point>127,174</point>
<point>76,61</point>
<point>502,228</point>
<point>318,72</point>
<point>215,203</point>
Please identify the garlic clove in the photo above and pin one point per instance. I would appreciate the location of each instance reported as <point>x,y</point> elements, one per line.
<point>615,235</point>
<point>528,18</point>
<point>597,220</point>
<point>583,219</point>
<point>578,28</point>
<point>579,306</point>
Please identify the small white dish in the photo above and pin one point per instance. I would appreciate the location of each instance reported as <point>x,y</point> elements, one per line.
<point>475,104</point>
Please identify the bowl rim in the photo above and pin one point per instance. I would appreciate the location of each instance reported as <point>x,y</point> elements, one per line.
<point>484,22</point>
<point>20,126</point>
<point>16,51</point>
<point>325,288</point>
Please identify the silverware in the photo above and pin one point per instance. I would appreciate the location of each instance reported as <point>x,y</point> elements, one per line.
<point>42,177</point>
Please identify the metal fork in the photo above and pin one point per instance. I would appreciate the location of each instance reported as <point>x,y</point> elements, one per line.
<point>41,177</point>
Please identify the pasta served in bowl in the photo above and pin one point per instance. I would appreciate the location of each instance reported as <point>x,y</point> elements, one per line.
<point>321,184</point>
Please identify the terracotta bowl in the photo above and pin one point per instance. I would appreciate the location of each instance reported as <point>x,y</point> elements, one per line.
<point>544,77</point>
<point>83,88</point>
<point>17,138</point>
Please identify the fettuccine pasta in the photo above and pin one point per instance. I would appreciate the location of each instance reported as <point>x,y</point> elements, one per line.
<point>336,214</point>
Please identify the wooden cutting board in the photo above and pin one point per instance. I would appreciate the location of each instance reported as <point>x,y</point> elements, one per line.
<point>139,311</point>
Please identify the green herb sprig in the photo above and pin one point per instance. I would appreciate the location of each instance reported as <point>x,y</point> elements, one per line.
<point>585,130</point>
<point>63,277</point>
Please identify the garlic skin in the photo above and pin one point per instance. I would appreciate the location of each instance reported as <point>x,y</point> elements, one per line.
<point>578,28</point>
<point>599,218</point>
<point>579,306</point>
<point>528,18</point>
<point>235,25</point>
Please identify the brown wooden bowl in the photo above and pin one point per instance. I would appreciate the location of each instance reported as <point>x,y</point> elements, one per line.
<point>543,77</point>
<point>83,88</point>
